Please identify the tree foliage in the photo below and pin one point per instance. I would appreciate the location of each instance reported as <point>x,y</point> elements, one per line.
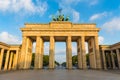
<point>74,60</point>
<point>64,64</point>
<point>45,60</point>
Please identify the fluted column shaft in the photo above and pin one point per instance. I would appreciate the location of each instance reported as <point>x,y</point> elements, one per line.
<point>1,58</point>
<point>11,59</point>
<point>113,61</point>
<point>79,53</point>
<point>109,60</point>
<point>51,53</point>
<point>118,57</point>
<point>69,52</point>
<point>38,55</point>
<point>23,52</point>
<point>104,59</point>
<point>84,65</point>
<point>6,60</point>
<point>26,62</point>
<point>15,64</point>
<point>97,53</point>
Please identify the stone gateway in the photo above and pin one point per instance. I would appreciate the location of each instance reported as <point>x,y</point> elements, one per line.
<point>60,31</point>
<point>20,56</point>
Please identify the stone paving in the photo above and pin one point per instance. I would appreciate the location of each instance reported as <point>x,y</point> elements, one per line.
<point>60,75</point>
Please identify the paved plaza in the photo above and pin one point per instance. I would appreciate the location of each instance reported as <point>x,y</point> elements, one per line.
<point>60,75</point>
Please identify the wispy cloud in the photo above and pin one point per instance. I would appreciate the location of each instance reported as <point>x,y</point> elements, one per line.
<point>67,6</point>
<point>112,25</point>
<point>101,39</point>
<point>98,16</point>
<point>76,16</point>
<point>9,38</point>
<point>93,2</point>
<point>24,6</point>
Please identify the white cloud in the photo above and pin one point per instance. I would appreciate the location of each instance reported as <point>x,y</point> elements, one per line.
<point>76,16</point>
<point>27,6</point>
<point>67,6</point>
<point>93,2</point>
<point>8,38</point>
<point>98,16</point>
<point>112,25</point>
<point>101,39</point>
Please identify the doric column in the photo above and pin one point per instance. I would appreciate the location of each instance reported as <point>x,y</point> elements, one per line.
<point>104,59</point>
<point>23,52</point>
<point>11,59</point>
<point>83,52</point>
<point>97,53</point>
<point>94,52</point>
<point>26,53</point>
<point>51,53</point>
<point>92,56</point>
<point>69,53</point>
<point>109,60</point>
<point>13,63</point>
<point>113,61</point>
<point>29,53</point>
<point>118,57</point>
<point>79,53</point>
<point>66,54</point>
<point>1,58</point>
<point>6,60</point>
<point>42,52</point>
<point>15,60</point>
<point>19,57</point>
<point>38,55</point>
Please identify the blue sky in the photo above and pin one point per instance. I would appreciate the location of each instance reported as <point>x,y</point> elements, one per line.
<point>14,13</point>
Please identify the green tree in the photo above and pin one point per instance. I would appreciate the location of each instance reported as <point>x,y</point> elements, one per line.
<point>64,64</point>
<point>45,60</point>
<point>74,60</point>
<point>57,63</point>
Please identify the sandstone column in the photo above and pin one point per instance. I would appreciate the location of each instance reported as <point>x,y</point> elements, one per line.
<point>51,53</point>
<point>104,59</point>
<point>23,52</point>
<point>66,54</point>
<point>109,60</point>
<point>42,52</point>
<point>6,60</point>
<point>118,57</point>
<point>79,53</point>
<point>11,59</point>
<point>15,60</point>
<point>1,58</point>
<point>97,53</point>
<point>26,54</point>
<point>113,61</point>
<point>94,56</point>
<point>19,57</point>
<point>83,52</point>
<point>38,55</point>
<point>29,53</point>
<point>69,52</point>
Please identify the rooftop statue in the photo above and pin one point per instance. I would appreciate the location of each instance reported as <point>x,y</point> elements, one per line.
<point>60,17</point>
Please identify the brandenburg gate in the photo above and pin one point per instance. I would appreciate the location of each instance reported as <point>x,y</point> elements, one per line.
<point>59,31</point>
